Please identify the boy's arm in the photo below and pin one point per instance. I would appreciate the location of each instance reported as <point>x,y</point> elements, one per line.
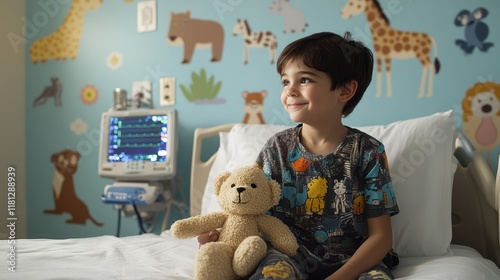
<point>371,252</point>
<point>209,236</point>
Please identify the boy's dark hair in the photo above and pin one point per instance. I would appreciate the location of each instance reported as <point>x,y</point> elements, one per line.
<point>341,58</point>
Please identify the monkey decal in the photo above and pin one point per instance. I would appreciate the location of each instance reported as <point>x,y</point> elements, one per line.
<point>476,31</point>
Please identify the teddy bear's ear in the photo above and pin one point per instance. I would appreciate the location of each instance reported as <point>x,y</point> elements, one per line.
<point>219,180</point>
<point>276,191</point>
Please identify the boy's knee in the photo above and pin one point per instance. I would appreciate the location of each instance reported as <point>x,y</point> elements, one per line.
<point>277,270</point>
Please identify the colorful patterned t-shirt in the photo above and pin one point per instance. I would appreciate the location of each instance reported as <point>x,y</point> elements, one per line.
<point>327,199</point>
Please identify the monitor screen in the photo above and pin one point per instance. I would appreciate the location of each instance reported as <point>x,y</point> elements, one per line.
<point>138,138</point>
<point>138,145</point>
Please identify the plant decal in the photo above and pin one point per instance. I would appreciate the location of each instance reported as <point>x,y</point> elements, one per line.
<point>201,89</point>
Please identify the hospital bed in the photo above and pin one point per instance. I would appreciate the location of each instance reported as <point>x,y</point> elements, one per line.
<point>447,227</point>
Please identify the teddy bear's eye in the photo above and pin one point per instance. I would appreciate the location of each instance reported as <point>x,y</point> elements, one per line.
<point>233,185</point>
<point>253,186</point>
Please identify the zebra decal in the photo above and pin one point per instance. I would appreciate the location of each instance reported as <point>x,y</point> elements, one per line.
<point>255,40</point>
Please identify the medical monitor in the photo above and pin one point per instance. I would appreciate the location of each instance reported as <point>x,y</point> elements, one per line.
<point>138,145</point>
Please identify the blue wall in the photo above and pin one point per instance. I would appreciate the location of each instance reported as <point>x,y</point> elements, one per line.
<point>112,28</point>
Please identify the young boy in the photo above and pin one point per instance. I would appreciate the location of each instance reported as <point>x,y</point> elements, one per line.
<point>336,188</point>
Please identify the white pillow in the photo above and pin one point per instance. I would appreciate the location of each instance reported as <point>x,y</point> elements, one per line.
<point>422,165</point>
<point>239,147</point>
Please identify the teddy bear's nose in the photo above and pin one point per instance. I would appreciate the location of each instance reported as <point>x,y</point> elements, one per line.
<point>240,190</point>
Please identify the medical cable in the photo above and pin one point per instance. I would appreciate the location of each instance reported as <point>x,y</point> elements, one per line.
<point>119,222</point>
<point>139,219</point>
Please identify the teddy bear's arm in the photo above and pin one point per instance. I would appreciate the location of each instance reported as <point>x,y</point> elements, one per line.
<point>194,226</point>
<point>278,234</point>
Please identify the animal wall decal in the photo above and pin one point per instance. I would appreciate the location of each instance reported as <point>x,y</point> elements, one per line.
<point>481,116</point>
<point>52,91</point>
<point>476,31</point>
<point>254,105</point>
<point>295,21</point>
<point>390,43</point>
<point>262,39</point>
<point>195,33</point>
<point>65,41</point>
<point>63,189</point>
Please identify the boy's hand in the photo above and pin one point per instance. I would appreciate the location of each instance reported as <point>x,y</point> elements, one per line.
<point>208,237</point>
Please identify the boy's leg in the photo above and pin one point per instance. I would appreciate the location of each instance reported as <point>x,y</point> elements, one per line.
<point>379,272</point>
<point>277,265</point>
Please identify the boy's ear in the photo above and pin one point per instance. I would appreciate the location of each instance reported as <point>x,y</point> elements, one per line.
<point>348,91</point>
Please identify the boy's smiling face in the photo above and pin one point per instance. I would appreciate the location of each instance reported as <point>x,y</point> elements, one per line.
<point>307,95</point>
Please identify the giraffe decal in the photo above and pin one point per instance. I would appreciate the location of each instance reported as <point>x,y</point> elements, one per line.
<point>255,40</point>
<point>390,43</point>
<point>64,42</point>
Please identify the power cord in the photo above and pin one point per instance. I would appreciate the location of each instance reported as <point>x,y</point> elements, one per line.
<point>139,219</point>
<point>119,222</point>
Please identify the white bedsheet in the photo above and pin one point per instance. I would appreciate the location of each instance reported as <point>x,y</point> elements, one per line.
<point>459,264</point>
<point>151,256</point>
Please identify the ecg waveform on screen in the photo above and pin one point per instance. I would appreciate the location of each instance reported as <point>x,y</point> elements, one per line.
<point>138,138</point>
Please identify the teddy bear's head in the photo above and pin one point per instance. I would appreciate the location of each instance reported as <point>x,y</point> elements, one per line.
<point>246,191</point>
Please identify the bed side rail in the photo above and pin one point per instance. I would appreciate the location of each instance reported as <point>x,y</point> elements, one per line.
<point>200,169</point>
<point>475,214</point>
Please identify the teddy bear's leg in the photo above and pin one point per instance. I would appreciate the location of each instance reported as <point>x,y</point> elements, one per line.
<point>213,261</point>
<point>248,255</point>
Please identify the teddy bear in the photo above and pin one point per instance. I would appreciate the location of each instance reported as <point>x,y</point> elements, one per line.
<point>244,195</point>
